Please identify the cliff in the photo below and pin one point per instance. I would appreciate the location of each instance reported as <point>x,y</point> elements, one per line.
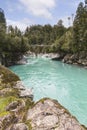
<point>18,111</point>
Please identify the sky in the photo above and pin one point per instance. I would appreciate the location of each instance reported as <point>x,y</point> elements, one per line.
<point>23,13</point>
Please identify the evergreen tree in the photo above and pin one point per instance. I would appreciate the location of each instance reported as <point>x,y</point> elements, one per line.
<point>79,28</point>
<point>2,35</point>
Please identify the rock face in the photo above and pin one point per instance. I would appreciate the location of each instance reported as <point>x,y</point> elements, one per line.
<point>23,91</point>
<point>48,114</point>
<point>13,108</point>
<point>76,59</point>
<point>53,56</point>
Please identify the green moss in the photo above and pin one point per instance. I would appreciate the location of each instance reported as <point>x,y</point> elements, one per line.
<point>5,85</point>
<point>28,103</point>
<point>41,100</point>
<point>4,101</point>
<point>28,123</point>
<point>12,92</point>
<point>4,113</point>
<point>9,92</point>
<point>1,87</point>
<point>7,75</point>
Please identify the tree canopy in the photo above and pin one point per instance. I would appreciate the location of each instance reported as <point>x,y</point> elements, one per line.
<point>46,38</point>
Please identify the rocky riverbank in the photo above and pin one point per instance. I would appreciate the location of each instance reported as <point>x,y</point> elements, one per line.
<point>75,59</point>
<point>18,111</point>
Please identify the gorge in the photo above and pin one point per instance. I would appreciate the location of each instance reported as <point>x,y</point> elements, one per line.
<point>54,79</point>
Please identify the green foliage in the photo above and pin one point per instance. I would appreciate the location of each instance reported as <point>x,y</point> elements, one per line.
<point>64,43</point>
<point>74,40</point>
<point>2,30</point>
<point>28,123</point>
<point>43,35</point>
<point>43,39</point>
<point>2,21</point>
<point>12,44</point>
<point>80,29</point>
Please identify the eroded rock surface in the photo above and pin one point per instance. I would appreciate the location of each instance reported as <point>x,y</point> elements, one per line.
<point>19,126</point>
<point>48,114</point>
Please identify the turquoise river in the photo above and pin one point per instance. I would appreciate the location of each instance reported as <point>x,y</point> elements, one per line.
<point>54,79</point>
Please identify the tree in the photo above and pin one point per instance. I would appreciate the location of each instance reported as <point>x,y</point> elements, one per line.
<point>85,2</point>
<point>69,20</point>
<point>24,45</point>
<point>72,18</point>
<point>79,28</point>
<point>2,34</point>
<point>2,19</point>
<point>17,31</point>
<point>60,23</point>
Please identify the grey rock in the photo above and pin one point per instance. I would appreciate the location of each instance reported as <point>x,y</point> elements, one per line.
<point>12,106</point>
<point>19,126</point>
<point>48,114</point>
<point>23,91</point>
<point>26,93</point>
<point>8,120</point>
<point>19,85</point>
<point>66,58</point>
<point>55,56</point>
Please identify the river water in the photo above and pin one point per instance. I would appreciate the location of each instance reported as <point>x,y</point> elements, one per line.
<point>54,79</point>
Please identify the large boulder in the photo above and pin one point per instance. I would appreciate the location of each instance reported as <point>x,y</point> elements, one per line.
<point>48,114</point>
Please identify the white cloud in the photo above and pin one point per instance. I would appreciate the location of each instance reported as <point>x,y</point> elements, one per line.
<point>67,22</point>
<point>20,24</point>
<point>39,7</point>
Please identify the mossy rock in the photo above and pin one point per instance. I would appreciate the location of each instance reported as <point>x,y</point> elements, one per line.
<point>8,76</point>
<point>8,95</point>
<point>28,123</point>
<point>2,114</point>
<point>4,101</point>
<point>49,114</point>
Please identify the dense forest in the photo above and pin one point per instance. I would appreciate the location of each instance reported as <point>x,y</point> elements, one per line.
<point>43,39</point>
